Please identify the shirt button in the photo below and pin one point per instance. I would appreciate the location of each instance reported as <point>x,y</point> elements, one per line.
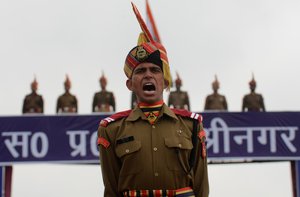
<point>155,174</point>
<point>153,126</point>
<point>155,149</point>
<point>127,150</point>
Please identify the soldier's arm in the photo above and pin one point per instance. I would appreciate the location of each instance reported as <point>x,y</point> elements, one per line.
<point>76,104</point>
<point>225,104</point>
<point>170,100</point>
<point>262,104</point>
<point>94,103</point>
<point>113,103</point>
<point>58,105</point>
<point>24,106</point>
<point>42,104</point>
<point>206,104</point>
<point>201,185</point>
<point>110,164</point>
<point>188,102</point>
<point>244,104</point>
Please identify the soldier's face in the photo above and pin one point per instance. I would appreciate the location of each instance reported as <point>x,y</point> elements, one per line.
<point>103,84</point>
<point>252,87</point>
<point>147,83</point>
<point>178,84</point>
<point>34,87</point>
<point>215,86</point>
<point>67,86</point>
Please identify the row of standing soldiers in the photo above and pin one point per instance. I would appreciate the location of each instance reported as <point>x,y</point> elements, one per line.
<point>104,100</point>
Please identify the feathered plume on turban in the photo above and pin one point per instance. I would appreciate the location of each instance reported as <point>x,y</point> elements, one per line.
<point>103,78</point>
<point>178,80</point>
<point>67,81</point>
<point>147,50</point>
<point>216,83</point>
<point>252,82</point>
<point>34,84</point>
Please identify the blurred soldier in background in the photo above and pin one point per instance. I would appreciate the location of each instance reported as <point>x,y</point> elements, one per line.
<point>179,99</point>
<point>67,103</point>
<point>104,101</point>
<point>33,103</point>
<point>215,101</point>
<point>133,100</point>
<point>253,101</point>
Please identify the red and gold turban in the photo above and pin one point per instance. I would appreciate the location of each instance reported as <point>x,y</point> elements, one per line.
<point>147,50</point>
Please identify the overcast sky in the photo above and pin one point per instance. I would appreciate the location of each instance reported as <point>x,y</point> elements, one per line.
<point>230,38</point>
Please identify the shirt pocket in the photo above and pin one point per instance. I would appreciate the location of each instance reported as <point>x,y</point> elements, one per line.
<point>129,154</point>
<point>178,152</point>
<point>128,148</point>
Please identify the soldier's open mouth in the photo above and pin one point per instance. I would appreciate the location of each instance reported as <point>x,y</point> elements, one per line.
<point>149,87</point>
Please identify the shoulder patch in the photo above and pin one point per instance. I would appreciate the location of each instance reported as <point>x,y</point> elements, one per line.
<point>188,114</point>
<point>102,141</point>
<point>106,121</point>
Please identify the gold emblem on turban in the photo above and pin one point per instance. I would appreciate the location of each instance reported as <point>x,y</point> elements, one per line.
<point>141,53</point>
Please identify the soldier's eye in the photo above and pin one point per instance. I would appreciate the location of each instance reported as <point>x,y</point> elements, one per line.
<point>138,70</point>
<point>156,70</point>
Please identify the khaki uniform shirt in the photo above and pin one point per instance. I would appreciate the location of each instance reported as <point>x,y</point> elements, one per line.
<point>144,156</point>
<point>253,102</point>
<point>33,103</point>
<point>66,103</point>
<point>103,102</point>
<point>179,100</point>
<point>215,102</point>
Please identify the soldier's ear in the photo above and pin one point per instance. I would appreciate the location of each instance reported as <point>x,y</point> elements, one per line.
<point>129,84</point>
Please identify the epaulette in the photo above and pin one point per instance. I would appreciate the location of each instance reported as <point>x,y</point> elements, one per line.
<point>106,121</point>
<point>188,114</point>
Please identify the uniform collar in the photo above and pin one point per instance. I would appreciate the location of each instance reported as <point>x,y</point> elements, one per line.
<point>137,113</point>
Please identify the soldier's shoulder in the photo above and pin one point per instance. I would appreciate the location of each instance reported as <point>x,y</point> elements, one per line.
<point>114,118</point>
<point>172,93</point>
<point>247,95</point>
<point>260,95</point>
<point>209,96</point>
<point>97,94</point>
<point>27,96</point>
<point>111,94</point>
<point>188,115</point>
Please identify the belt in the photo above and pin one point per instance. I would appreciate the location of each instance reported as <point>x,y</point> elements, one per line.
<point>182,192</point>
